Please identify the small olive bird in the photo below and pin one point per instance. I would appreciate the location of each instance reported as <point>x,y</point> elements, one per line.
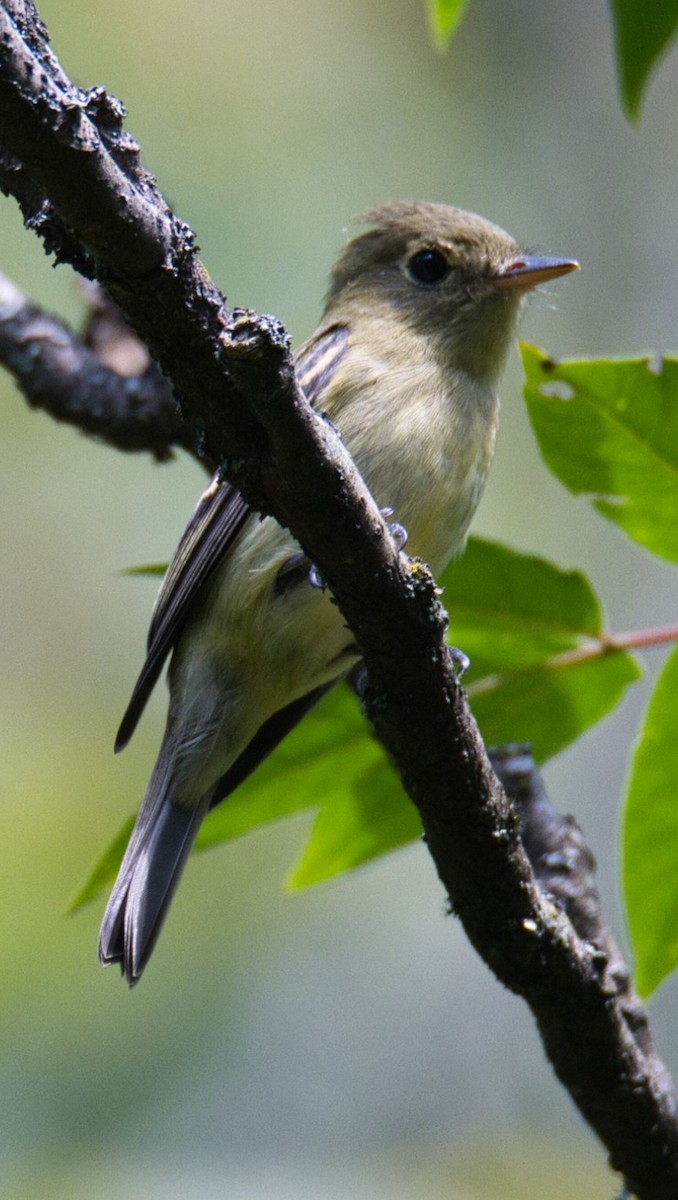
<point>420,314</point>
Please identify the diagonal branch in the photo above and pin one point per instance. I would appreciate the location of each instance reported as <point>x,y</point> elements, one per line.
<point>66,157</point>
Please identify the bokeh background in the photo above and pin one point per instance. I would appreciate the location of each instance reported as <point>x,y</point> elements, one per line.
<point>345,1041</point>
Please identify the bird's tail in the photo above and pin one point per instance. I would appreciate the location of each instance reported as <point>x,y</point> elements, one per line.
<point>149,873</point>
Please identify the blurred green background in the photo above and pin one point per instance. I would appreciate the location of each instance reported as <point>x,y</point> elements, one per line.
<point>342,1042</point>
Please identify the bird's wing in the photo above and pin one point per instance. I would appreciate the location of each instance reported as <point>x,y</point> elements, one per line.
<point>220,515</point>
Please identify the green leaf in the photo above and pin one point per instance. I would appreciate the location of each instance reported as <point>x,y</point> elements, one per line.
<point>539,669</point>
<point>650,837</point>
<point>643,33</point>
<point>552,706</point>
<point>443,18</point>
<point>359,823</point>
<point>105,870</point>
<point>145,569</point>
<point>609,429</point>
<point>510,610</point>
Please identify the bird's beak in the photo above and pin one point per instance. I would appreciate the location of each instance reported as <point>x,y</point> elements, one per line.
<point>529,271</point>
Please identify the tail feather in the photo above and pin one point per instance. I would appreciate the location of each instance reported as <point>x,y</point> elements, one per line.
<point>148,877</point>
<point>164,834</point>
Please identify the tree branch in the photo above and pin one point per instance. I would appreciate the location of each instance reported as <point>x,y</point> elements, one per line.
<point>57,372</point>
<point>565,870</point>
<point>234,374</point>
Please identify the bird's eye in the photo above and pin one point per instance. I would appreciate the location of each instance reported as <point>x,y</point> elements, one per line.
<point>428,266</point>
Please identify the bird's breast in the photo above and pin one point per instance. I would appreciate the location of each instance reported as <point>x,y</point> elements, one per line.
<point>424,443</point>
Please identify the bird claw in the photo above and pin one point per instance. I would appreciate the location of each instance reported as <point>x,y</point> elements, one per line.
<point>460,661</point>
<point>299,569</point>
<point>296,571</point>
<point>399,535</point>
<point>398,532</point>
<point>315,578</point>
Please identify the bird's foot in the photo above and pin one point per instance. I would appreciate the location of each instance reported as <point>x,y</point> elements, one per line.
<point>398,532</point>
<point>460,661</point>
